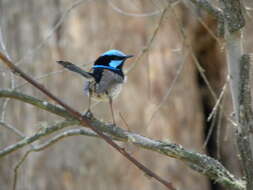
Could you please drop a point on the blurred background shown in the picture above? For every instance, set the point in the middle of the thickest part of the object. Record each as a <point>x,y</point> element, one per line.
<point>177,71</point>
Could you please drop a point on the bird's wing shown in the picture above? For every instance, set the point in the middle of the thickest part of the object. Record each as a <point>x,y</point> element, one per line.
<point>74,68</point>
<point>108,80</point>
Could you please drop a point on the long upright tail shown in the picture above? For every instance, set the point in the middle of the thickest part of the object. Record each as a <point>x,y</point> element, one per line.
<point>74,68</point>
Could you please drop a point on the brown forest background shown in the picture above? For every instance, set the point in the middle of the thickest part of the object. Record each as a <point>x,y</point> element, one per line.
<point>87,30</point>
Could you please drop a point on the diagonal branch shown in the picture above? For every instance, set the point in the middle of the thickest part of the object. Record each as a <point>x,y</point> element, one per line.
<point>13,129</point>
<point>199,162</point>
<point>84,121</point>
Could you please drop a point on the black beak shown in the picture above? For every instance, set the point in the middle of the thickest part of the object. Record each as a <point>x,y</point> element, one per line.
<point>128,56</point>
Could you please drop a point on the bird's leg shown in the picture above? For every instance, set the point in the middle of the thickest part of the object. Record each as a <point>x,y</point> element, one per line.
<point>89,104</point>
<point>88,112</point>
<point>111,107</point>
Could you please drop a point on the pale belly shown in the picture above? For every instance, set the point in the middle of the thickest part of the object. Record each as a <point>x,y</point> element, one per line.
<point>96,95</point>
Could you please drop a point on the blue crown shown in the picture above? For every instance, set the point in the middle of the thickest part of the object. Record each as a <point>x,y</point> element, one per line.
<point>114,52</point>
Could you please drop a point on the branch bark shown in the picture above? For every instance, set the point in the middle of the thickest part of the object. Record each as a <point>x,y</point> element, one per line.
<point>208,7</point>
<point>245,121</point>
<point>199,162</point>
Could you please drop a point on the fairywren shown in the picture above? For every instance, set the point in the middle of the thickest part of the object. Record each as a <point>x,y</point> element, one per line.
<point>105,81</point>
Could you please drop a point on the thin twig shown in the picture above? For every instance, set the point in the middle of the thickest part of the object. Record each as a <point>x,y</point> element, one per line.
<point>4,48</point>
<point>17,167</point>
<point>210,32</point>
<point>218,134</point>
<point>210,130</point>
<point>2,44</point>
<point>202,74</point>
<point>50,142</point>
<point>218,100</point>
<point>118,10</point>
<point>4,108</point>
<point>168,92</point>
<point>124,121</point>
<point>13,129</point>
<point>149,43</point>
<point>41,133</point>
<point>52,30</point>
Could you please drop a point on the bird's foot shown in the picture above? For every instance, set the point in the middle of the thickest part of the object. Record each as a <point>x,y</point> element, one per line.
<point>88,114</point>
<point>113,124</point>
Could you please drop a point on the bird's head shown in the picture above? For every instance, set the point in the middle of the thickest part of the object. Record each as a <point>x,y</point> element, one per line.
<point>112,59</point>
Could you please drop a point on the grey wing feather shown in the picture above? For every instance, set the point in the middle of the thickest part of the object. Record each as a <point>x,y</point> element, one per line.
<point>109,80</point>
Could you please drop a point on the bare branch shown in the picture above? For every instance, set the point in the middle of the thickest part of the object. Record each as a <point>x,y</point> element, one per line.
<point>84,121</point>
<point>215,108</point>
<point>203,75</point>
<point>200,162</point>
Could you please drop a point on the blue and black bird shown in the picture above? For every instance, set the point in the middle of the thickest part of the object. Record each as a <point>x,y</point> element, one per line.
<point>106,77</point>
